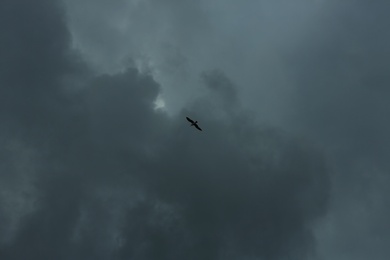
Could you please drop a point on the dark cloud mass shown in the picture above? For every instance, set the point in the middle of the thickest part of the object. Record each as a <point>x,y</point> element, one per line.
<point>342,102</point>
<point>115,179</point>
<point>90,169</point>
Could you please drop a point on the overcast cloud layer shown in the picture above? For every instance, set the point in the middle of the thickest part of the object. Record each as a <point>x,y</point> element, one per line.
<point>292,162</point>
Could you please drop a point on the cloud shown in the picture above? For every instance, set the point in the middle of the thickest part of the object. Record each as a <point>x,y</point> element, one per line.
<point>113,178</point>
<point>341,102</point>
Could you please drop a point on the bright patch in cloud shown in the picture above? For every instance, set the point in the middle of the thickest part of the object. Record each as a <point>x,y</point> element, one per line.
<point>159,103</point>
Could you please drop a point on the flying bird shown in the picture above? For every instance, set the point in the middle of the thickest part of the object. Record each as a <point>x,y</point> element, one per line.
<point>194,123</point>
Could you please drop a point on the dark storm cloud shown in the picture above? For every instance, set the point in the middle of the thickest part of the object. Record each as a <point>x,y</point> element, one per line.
<point>343,79</point>
<point>115,179</point>
<point>333,55</point>
<point>222,87</point>
<point>341,71</point>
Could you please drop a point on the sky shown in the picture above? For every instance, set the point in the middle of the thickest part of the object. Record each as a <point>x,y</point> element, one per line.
<point>97,160</point>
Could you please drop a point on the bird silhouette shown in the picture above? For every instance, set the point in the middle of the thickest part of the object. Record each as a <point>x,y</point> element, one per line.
<point>194,123</point>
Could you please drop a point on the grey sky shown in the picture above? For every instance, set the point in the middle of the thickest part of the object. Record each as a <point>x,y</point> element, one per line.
<point>292,162</point>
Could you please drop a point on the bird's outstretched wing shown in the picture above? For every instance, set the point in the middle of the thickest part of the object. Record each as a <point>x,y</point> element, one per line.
<point>198,127</point>
<point>190,120</point>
